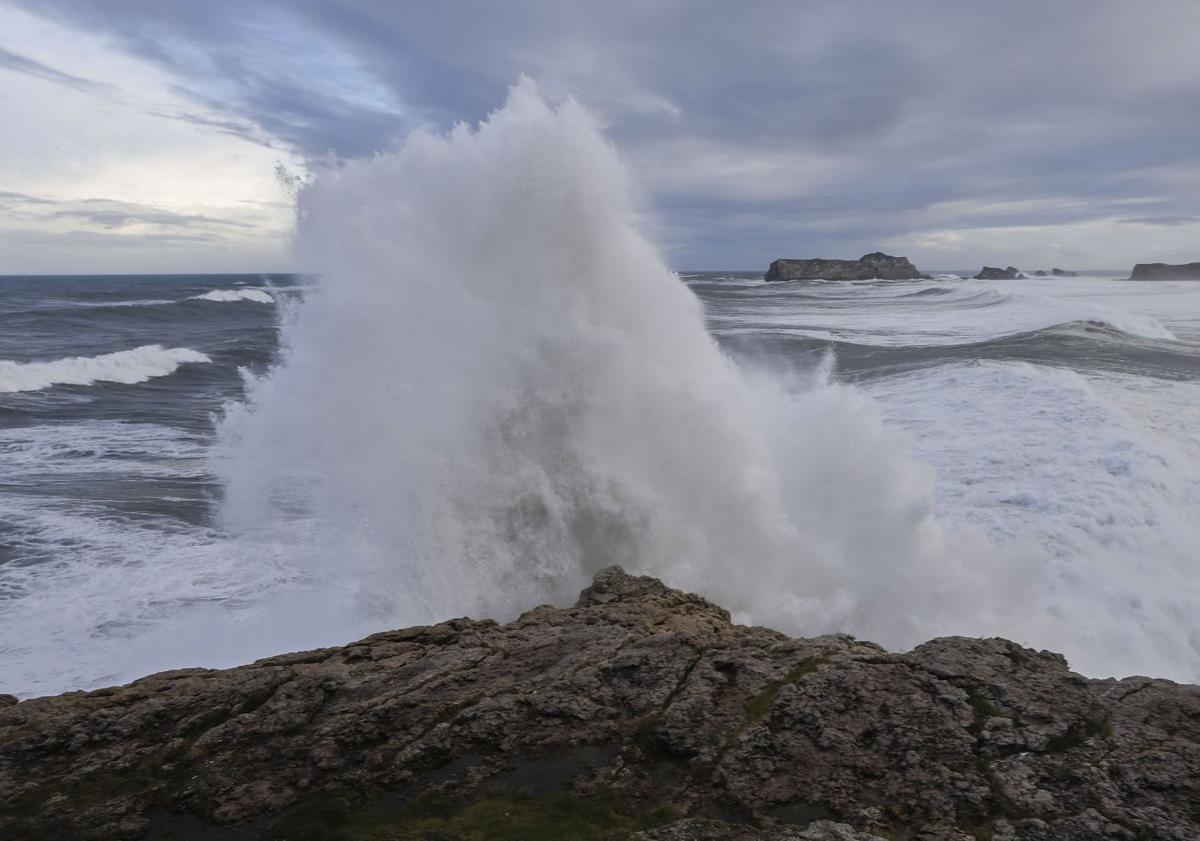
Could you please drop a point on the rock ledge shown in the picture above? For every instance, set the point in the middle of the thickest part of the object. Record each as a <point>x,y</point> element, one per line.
<point>640,713</point>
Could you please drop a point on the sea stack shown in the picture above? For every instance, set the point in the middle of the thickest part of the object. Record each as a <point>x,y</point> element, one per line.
<point>1166,271</point>
<point>874,266</point>
<point>993,273</point>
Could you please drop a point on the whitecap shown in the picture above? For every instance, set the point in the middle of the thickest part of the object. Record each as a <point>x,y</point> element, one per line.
<point>125,366</point>
<point>228,296</point>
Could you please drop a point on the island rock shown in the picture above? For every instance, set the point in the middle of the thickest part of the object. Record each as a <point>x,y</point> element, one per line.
<point>874,266</point>
<point>1063,273</point>
<point>1166,271</point>
<point>993,273</point>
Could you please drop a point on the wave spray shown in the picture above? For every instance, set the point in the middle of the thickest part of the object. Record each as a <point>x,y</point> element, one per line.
<point>499,388</point>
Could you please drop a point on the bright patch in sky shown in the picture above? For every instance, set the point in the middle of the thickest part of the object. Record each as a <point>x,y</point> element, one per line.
<point>103,163</point>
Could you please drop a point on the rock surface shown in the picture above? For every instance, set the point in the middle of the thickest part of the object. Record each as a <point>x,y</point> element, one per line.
<point>874,266</point>
<point>1063,273</point>
<point>1166,271</point>
<point>642,712</point>
<point>993,273</point>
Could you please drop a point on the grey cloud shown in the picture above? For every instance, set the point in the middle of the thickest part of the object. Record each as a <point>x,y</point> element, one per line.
<point>1161,221</point>
<point>104,213</point>
<point>21,64</point>
<point>922,116</point>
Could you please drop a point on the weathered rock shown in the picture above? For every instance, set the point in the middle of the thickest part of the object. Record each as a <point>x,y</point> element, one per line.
<point>641,712</point>
<point>1166,271</point>
<point>701,829</point>
<point>993,273</point>
<point>1040,273</point>
<point>874,266</point>
<point>1063,273</point>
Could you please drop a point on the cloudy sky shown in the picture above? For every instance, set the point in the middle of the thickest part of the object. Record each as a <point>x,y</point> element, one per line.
<point>146,135</point>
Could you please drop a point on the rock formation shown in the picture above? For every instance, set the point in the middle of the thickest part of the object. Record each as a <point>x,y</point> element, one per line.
<point>1166,271</point>
<point>1063,273</point>
<point>993,273</point>
<point>874,266</point>
<point>642,712</point>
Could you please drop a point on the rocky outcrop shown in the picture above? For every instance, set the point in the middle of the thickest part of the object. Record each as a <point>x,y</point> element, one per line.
<point>1166,271</point>
<point>993,273</point>
<point>642,712</point>
<point>1063,273</point>
<point>874,266</point>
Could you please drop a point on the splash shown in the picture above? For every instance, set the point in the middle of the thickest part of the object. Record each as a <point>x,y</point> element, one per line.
<point>500,387</point>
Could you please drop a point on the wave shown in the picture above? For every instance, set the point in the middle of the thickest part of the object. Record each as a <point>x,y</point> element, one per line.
<point>257,296</point>
<point>556,404</point>
<point>126,366</point>
<point>1084,345</point>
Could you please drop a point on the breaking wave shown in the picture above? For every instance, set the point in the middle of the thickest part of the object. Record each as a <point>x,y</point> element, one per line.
<point>125,366</point>
<point>229,296</point>
<point>501,387</point>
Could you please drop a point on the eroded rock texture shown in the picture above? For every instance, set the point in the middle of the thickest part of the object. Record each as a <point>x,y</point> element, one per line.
<point>641,712</point>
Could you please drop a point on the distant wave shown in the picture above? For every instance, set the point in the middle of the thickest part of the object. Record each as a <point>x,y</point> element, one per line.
<point>125,366</point>
<point>1125,330</point>
<point>231,295</point>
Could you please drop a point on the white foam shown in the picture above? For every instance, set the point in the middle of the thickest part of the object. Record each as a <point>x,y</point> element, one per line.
<point>257,296</point>
<point>500,388</point>
<point>1097,477</point>
<point>125,366</point>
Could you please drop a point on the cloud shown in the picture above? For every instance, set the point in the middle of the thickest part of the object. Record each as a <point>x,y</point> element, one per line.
<point>1161,221</point>
<point>757,129</point>
<point>20,64</point>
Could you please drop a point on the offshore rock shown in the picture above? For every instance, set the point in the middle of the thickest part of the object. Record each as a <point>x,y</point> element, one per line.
<point>1063,273</point>
<point>1166,271</point>
<point>874,266</point>
<point>993,273</point>
<point>642,712</point>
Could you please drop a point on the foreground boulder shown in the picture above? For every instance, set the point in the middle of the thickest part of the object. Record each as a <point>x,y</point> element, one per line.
<point>642,712</point>
<point>993,273</point>
<point>1166,271</point>
<point>874,266</point>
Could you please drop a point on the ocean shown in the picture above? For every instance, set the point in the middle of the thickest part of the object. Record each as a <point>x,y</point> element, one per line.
<point>492,385</point>
<point>1062,415</point>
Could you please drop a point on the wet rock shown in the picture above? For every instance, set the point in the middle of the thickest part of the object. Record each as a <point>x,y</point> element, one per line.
<point>641,712</point>
<point>993,273</point>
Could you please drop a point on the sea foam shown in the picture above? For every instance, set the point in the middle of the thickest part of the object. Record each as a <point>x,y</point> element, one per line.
<point>500,387</point>
<point>125,366</point>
